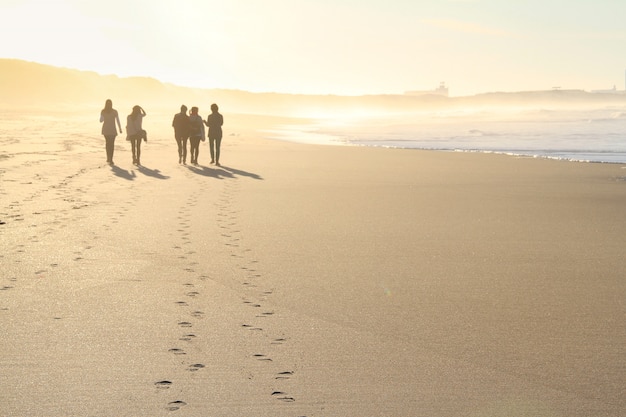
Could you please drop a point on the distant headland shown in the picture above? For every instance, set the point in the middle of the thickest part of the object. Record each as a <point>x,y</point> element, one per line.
<point>31,84</point>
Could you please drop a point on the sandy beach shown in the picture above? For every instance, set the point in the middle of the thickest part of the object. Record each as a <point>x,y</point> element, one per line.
<point>302,280</point>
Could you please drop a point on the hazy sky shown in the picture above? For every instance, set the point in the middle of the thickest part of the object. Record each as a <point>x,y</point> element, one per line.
<point>329,46</point>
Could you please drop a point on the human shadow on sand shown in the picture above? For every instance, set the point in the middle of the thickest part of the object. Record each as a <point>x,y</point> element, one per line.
<point>155,173</point>
<point>222,172</point>
<point>209,172</point>
<point>238,172</point>
<point>123,173</point>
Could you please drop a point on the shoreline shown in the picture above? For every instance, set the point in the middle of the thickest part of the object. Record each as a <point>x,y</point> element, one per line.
<point>323,139</point>
<point>581,136</point>
<point>311,138</point>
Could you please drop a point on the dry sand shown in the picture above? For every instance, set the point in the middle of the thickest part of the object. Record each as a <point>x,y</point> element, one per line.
<point>302,280</point>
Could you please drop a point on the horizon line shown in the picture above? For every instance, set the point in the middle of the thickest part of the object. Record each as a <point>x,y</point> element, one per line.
<point>406,93</point>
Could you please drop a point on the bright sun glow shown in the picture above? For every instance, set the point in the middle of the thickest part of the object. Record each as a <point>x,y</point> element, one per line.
<point>323,47</point>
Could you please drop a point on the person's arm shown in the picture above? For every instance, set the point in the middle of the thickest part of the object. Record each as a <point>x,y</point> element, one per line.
<point>143,112</point>
<point>101,117</point>
<point>117,119</point>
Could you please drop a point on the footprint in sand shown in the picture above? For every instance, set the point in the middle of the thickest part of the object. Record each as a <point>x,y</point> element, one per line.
<point>182,303</point>
<point>195,367</point>
<point>175,405</point>
<point>198,314</point>
<point>184,324</point>
<point>163,384</point>
<point>284,375</point>
<point>177,351</point>
<point>187,337</point>
<point>251,304</point>
<point>261,357</point>
<point>282,396</point>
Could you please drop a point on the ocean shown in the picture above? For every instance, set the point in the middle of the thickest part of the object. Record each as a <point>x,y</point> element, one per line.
<point>588,135</point>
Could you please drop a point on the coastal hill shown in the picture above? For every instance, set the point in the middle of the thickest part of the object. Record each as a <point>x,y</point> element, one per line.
<point>34,85</point>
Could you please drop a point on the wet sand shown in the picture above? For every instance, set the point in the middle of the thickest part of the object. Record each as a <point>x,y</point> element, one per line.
<point>302,280</point>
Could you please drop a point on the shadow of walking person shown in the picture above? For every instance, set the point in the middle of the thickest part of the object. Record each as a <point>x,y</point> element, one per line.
<point>209,172</point>
<point>123,173</point>
<point>241,173</point>
<point>155,173</point>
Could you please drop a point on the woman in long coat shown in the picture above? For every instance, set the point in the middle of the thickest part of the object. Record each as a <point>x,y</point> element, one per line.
<point>108,118</point>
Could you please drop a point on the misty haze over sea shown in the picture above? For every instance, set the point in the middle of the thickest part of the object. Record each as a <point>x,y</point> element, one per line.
<point>591,135</point>
<point>563,124</point>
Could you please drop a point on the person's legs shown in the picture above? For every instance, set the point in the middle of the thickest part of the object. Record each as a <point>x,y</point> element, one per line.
<point>184,150</point>
<point>212,149</point>
<point>193,148</point>
<point>138,154</point>
<point>179,142</point>
<point>218,145</point>
<point>109,146</point>
<point>197,145</point>
<point>133,146</point>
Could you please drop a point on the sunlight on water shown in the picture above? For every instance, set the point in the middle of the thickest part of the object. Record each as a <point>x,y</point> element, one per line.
<point>594,135</point>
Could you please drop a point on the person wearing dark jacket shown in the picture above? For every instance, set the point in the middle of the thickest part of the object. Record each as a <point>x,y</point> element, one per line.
<point>196,134</point>
<point>215,121</point>
<point>181,133</point>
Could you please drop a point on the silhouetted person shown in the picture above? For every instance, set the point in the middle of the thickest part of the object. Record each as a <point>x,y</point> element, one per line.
<point>196,134</point>
<point>108,118</point>
<point>181,133</point>
<point>135,132</point>
<point>215,121</point>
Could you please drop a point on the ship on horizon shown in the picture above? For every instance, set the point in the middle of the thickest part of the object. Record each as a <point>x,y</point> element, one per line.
<point>442,90</point>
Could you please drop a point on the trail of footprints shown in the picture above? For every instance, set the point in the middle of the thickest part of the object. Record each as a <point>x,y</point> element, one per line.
<point>230,236</point>
<point>227,222</point>
<point>189,294</point>
<point>45,223</point>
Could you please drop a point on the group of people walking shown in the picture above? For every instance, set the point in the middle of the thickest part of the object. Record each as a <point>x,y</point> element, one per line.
<point>192,127</point>
<point>186,127</point>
